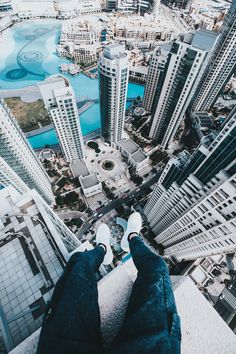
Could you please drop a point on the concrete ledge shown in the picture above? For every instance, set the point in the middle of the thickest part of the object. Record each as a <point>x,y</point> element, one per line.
<point>203,330</point>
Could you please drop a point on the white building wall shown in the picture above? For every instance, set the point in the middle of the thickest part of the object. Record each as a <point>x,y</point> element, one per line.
<point>208,228</point>
<point>113,68</point>
<point>88,192</point>
<point>34,249</point>
<point>60,101</point>
<point>18,154</point>
<point>156,65</point>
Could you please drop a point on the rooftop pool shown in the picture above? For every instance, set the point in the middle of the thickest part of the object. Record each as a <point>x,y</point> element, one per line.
<point>28,55</point>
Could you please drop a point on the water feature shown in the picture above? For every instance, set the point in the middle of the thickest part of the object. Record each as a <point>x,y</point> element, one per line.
<point>28,55</point>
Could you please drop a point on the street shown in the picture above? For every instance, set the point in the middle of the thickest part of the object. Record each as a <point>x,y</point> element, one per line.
<point>115,203</point>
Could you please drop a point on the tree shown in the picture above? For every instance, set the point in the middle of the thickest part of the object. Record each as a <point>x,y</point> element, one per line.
<point>71,197</point>
<point>77,182</point>
<point>158,156</point>
<point>120,210</point>
<point>59,200</point>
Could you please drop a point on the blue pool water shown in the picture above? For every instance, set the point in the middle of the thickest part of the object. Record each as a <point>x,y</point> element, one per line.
<point>28,55</point>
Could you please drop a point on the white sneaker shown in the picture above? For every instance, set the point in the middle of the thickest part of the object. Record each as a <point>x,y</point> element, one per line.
<point>103,235</point>
<point>134,225</point>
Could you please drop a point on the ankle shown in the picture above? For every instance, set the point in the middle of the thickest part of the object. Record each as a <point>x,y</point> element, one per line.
<point>104,247</point>
<point>131,235</point>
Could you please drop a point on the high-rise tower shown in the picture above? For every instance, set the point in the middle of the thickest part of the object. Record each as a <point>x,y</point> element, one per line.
<point>113,69</point>
<point>155,77</point>
<point>220,67</point>
<point>60,101</point>
<point>35,247</point>
<point>194,215</point>
<point>20,157</point>
<point>8,177</point>
<point>171,79</point>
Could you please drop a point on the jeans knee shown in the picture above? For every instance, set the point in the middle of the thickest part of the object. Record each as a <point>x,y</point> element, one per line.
<point>74,257</point>
<point>80,257</point>
<point>157,264</point>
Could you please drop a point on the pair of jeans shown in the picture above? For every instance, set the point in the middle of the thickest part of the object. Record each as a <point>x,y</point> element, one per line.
<point>151,323</point>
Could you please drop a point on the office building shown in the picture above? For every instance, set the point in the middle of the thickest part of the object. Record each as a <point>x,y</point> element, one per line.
<point>35,246</point>
<point>5,6</point>
<point>88,6</point>
<point>208,226</point>
<point>60,101</point>
<point>128,6</point>
<point>192,213</point>
<point>113,70</point>
<point>220,66</point>
<point>20,157</point>
<point>171,81</point>
<point>180,4</point>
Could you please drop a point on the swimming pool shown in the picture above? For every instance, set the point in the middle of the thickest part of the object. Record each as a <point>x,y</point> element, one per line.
<point>28,55</point>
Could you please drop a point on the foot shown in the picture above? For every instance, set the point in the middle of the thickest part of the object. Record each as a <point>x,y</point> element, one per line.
<point>103,237</point>
<point>134,225</point>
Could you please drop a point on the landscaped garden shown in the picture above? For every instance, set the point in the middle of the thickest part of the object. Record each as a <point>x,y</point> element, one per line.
<point>93,145</point>
<point>108,165</point>
<point>29,114</point>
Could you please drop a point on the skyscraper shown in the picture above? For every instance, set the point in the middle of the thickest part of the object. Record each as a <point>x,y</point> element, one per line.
<point>171,79</point>
<point>194,216</point>
<point>113,70</point>
<point>209,225</point>
<point>35,246</point>
<point>60,101</point>
<point>155,77</point>
<point>20,157</point>
<point>8,177</point>
<point>220,67</point>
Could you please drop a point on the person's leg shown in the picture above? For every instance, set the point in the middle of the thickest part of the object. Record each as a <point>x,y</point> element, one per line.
<point>72,320</point>
<point>151,324</point>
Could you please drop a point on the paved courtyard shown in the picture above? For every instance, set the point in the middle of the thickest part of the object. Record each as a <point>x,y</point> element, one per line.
<point>115,177</point>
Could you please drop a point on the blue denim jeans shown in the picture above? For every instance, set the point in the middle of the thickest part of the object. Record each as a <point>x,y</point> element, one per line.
<point>72,320</point>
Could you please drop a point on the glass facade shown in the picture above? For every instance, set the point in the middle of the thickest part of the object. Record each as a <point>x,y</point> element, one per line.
<point>105,93</point>
<point>219,159</point>
<point>176,91</point>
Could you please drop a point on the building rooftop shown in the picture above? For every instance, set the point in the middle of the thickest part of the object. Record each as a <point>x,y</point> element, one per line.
<point>30,264</point>
<point>129,145</point>
<point>139,69</point>
<point>51,84</point>
<point>205,119</point>
<point>139,156</point>
<point>114,50</point>
<point>204,39</point>
<point>203,330</point>
<point>79,168</point>
<point>89,181</point>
